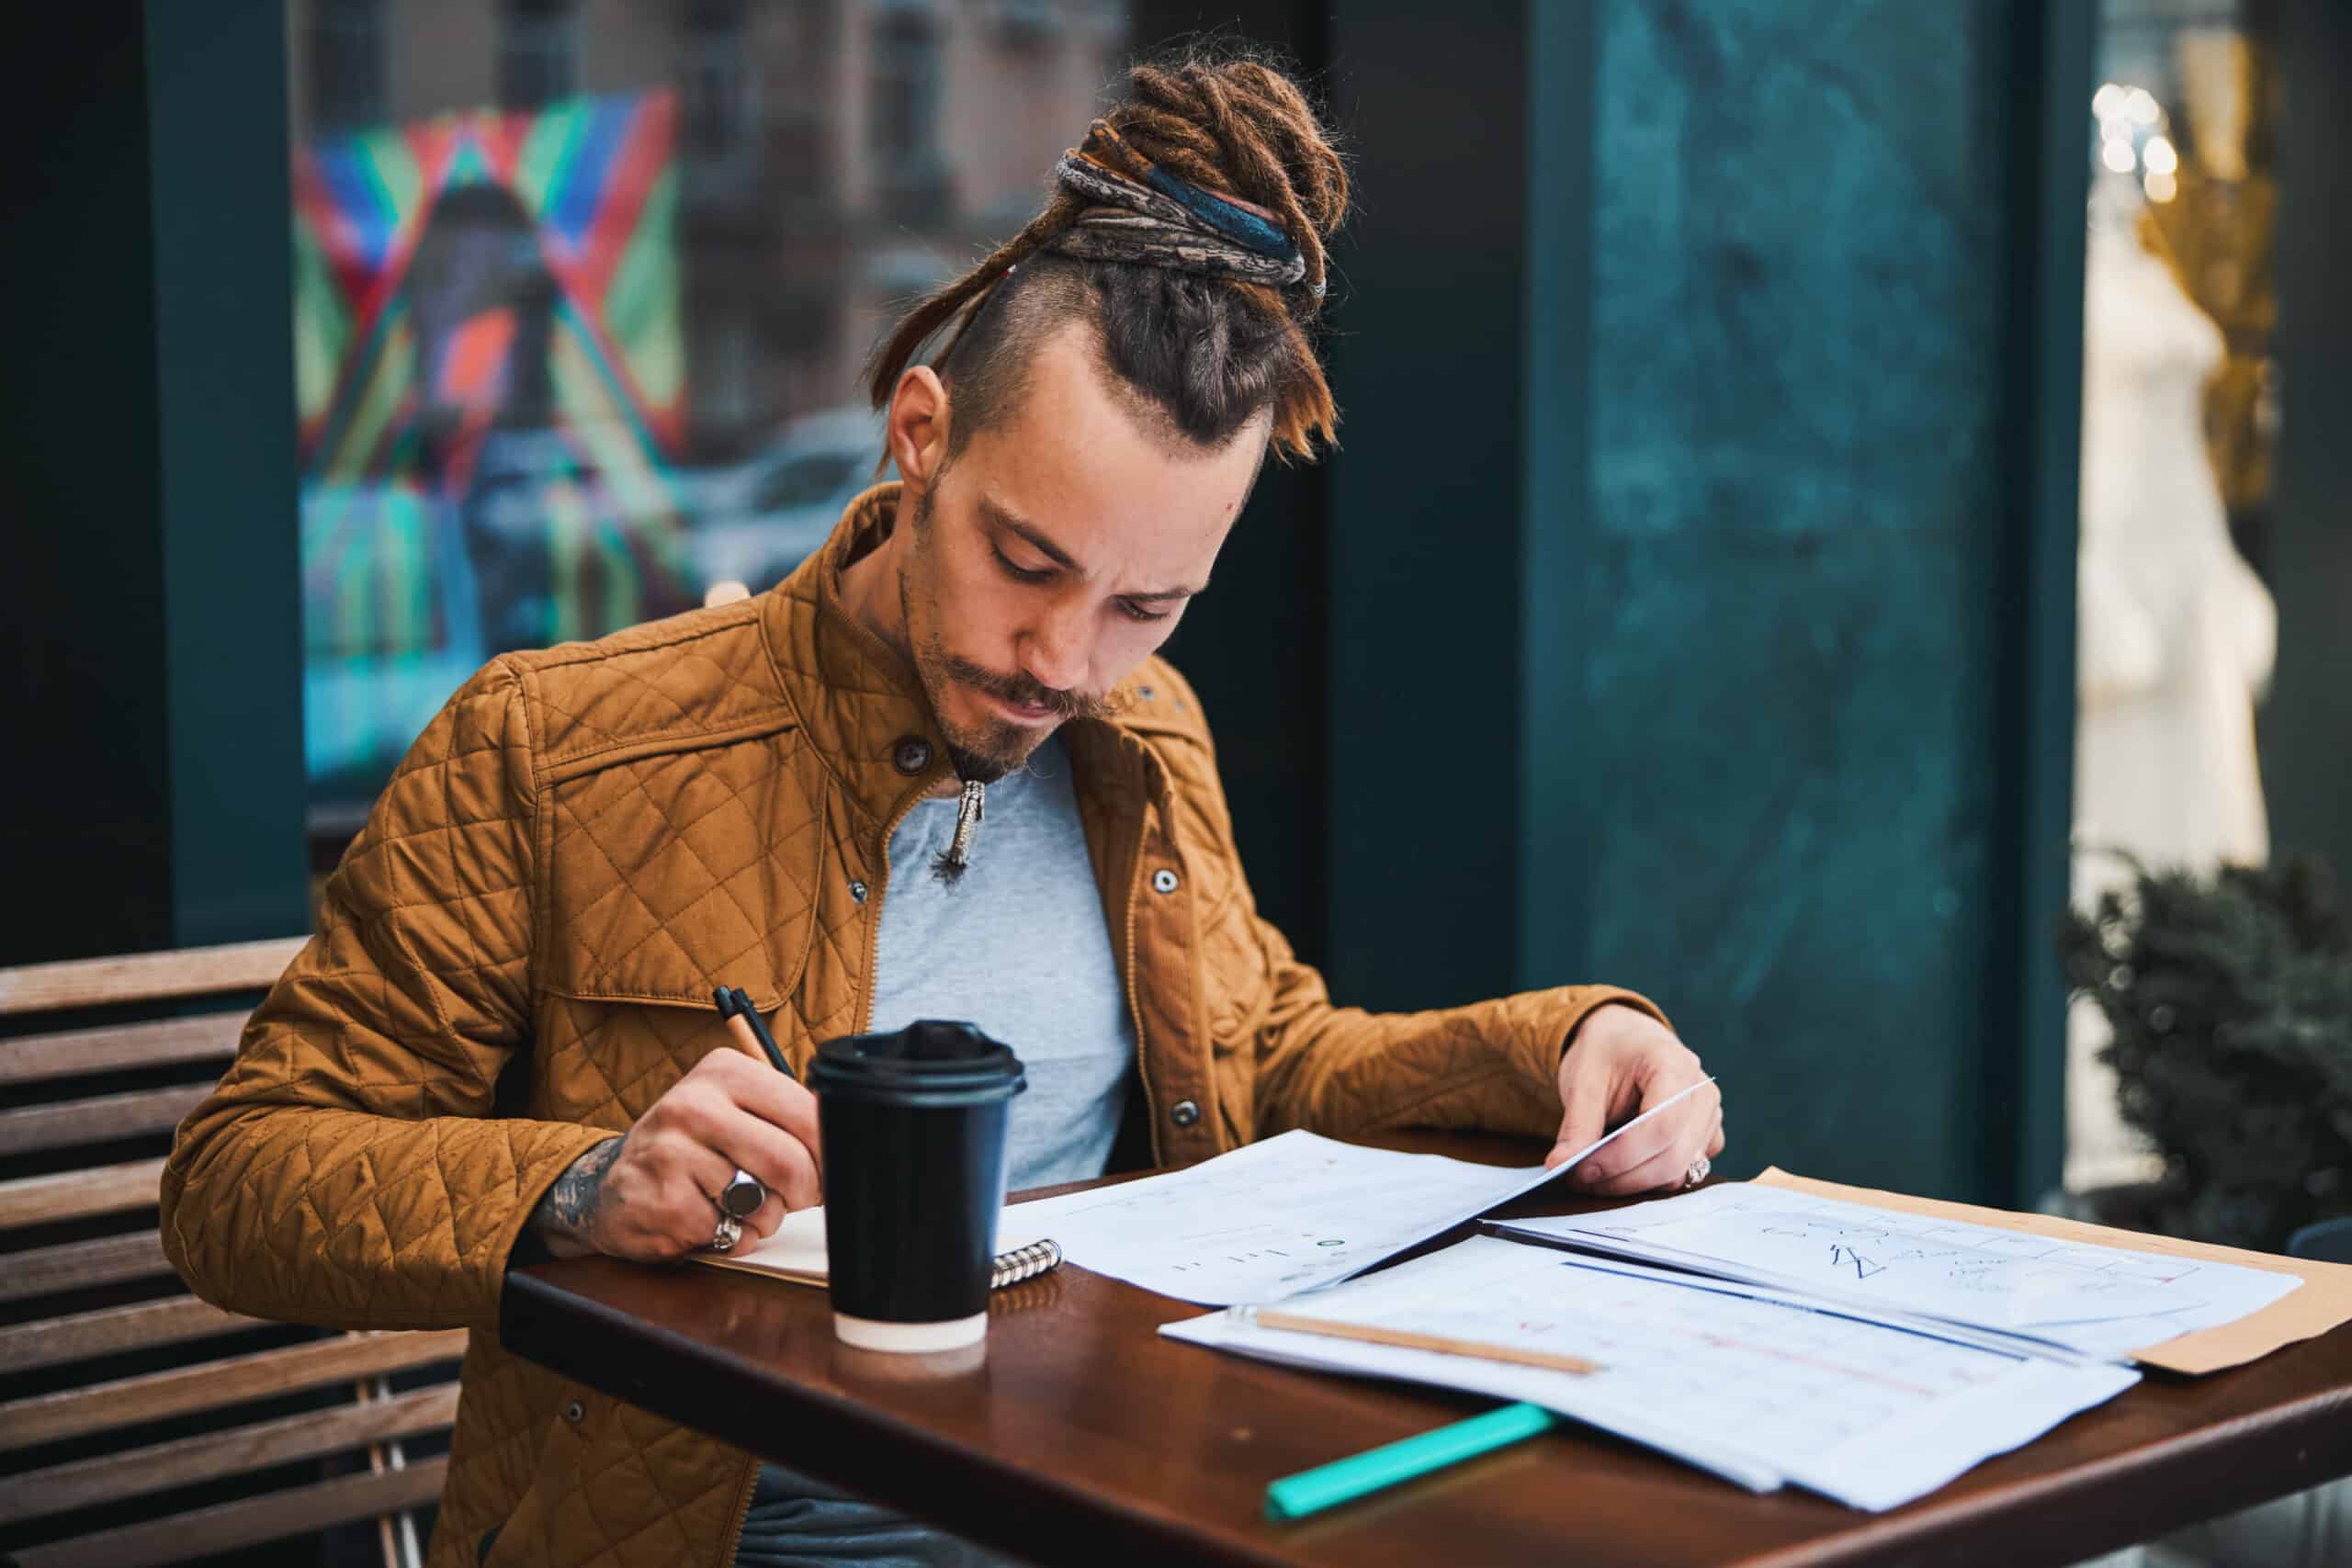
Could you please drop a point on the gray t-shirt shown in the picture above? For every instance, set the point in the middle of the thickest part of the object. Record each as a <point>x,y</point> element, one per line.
<point>1020,947</point>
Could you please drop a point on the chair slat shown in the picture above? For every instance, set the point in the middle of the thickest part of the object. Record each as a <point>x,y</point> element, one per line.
<point>211,1455</point>
<point>147,976</point>
<point>48,1341</point>
<point>230,1526</point>
<point>233,1379</point>
<point>81,1194</point>
<point>99,1119</point>
<point>27,1058</point>
<point>218,1385</point>
<point>78,1265</point>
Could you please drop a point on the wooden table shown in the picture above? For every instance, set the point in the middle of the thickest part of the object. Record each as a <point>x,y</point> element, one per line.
<point>1085,1437</point>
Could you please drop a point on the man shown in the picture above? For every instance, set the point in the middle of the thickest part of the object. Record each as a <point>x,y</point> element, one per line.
<point>937,772</point>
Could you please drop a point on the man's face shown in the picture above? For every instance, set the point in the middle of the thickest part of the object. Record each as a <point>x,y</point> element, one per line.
<point>1055,553</point>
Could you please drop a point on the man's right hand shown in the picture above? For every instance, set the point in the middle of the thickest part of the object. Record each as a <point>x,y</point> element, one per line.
<point>650,1193</point>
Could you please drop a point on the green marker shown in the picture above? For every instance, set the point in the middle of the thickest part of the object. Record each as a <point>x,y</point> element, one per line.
<point>1344,1480</point>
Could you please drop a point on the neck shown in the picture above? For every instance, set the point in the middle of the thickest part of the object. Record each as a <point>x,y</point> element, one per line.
<point>870,596</point>
<point>869,591</point>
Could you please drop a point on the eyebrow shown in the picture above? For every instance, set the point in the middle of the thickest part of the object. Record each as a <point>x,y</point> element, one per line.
<point>1036,539</point>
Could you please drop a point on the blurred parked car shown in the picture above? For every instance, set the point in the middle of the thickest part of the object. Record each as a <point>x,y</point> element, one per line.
<point>755,520</point>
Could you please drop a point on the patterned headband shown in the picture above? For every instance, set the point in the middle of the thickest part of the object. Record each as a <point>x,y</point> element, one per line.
<point>1139,212</point>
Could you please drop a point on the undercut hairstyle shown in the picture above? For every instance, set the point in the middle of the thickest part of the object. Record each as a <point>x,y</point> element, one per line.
<point>1205,353</point>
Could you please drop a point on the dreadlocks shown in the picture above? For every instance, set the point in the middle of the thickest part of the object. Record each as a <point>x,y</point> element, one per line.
<point>1190,230</point>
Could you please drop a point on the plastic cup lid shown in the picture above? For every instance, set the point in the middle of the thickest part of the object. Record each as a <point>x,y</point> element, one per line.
<point>931,1061</point>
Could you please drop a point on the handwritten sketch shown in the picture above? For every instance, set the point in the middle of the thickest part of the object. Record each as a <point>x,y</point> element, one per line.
<point>2094,1300</point>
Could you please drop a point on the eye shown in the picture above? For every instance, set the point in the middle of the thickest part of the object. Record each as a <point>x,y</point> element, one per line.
<point>1021,574</point>
<point>1136,611</point>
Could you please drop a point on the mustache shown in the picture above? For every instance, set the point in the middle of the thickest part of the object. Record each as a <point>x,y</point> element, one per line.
<point>1028,691</point>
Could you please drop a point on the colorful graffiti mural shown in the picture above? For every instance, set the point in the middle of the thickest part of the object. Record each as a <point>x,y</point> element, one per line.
<point>490,379</point>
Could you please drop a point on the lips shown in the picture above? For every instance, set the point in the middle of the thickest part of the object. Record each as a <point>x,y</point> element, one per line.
<point>1020,712</point>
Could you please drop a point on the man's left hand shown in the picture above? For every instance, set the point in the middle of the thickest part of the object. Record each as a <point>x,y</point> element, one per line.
<point>1620,1062</point>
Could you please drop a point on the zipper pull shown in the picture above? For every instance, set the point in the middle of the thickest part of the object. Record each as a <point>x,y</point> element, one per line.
<point>971,806</point>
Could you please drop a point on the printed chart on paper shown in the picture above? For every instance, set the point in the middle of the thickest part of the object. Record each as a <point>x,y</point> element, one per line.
<point>1755,1387</point>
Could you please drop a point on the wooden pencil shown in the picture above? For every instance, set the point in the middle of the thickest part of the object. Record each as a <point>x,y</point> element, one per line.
<point>1299,1323</point>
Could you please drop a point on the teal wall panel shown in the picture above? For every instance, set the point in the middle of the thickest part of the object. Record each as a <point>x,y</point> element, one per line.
<point>1796,400</point>
<point>1700,552</point>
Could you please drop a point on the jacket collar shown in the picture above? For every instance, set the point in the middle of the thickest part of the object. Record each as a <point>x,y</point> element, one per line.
<point>858,701</point>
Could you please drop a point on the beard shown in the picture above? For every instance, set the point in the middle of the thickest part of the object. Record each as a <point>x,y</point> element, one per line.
<point>984,752</point>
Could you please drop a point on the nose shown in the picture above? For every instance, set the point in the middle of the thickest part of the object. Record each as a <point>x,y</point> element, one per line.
<point>1055,652</point>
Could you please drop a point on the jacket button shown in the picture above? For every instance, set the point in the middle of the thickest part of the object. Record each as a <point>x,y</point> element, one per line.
<point>857,891</point>
<point>912,755</point>
<point>574,1411</point>
<point>1183,1113</point>
<point>1163,881</point>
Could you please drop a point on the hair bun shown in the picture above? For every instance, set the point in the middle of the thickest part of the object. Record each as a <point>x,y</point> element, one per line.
<point>1241,128</point>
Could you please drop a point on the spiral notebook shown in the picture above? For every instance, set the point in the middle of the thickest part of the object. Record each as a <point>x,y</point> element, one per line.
<point>796,1252</point>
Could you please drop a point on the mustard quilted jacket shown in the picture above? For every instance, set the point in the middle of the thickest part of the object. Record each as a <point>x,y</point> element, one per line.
<point>517,959</point>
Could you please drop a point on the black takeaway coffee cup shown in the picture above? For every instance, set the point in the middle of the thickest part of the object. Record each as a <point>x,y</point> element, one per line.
<point>913,1128</point>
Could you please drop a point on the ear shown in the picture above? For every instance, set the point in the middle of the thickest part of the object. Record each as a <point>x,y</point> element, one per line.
<point>918,425</point>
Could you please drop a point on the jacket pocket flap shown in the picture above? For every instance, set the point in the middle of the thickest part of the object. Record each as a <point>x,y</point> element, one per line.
<point>664,905</point>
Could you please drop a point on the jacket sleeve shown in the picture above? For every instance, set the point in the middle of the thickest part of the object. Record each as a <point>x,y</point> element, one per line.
<point>347,1171</point>
<point>1493,1066</point>
<point>1342,1071</point>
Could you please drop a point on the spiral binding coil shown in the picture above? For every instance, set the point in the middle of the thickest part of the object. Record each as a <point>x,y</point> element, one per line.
<point>1025,1262</point>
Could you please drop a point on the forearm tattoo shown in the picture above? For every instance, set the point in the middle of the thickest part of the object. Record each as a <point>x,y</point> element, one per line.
<point>569,1207</point>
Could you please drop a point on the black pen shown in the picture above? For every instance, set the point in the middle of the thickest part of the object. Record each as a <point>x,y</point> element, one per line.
<point>735,1007</point>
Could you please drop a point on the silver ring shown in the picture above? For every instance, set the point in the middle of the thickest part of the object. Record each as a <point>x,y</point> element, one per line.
<point>742,1195</point>
<point>730,1231</point>
<point>1697,1173</point>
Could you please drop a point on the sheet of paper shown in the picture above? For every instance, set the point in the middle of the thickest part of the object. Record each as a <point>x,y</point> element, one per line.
<point>2323,1302</point>
<point>1290,1213</point>
<point>1530,1179</point>
<point>1756,1390</point>
<point>2097,1301</point>
<point>1997,1340</point>
<point>1266,1221</point>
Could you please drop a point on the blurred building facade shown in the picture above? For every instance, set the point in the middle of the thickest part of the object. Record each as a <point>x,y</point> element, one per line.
<point>834,156</point>
<point>582,293</point>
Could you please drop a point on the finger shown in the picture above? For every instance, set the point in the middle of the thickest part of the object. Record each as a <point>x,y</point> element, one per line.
<point>769,1095</point>
<point>782,1162</point>
<point>1664,1169</point>
<point>765,1220</point>
<point>1584,1106</point>
<point>1715,1143</point>
<point>1680,1126</point>
<point>1637,1147</point>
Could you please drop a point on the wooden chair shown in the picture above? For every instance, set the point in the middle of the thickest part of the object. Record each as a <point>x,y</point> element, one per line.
<point>81,1441</point>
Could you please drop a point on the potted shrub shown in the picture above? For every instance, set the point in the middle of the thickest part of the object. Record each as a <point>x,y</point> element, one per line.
<point>2230,996</point>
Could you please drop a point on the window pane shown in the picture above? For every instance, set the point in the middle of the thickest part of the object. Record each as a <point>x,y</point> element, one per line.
<point>582,291</point>
<point>2176,627</point>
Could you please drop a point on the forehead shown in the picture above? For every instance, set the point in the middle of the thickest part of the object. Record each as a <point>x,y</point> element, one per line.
<point>1089,463</point>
